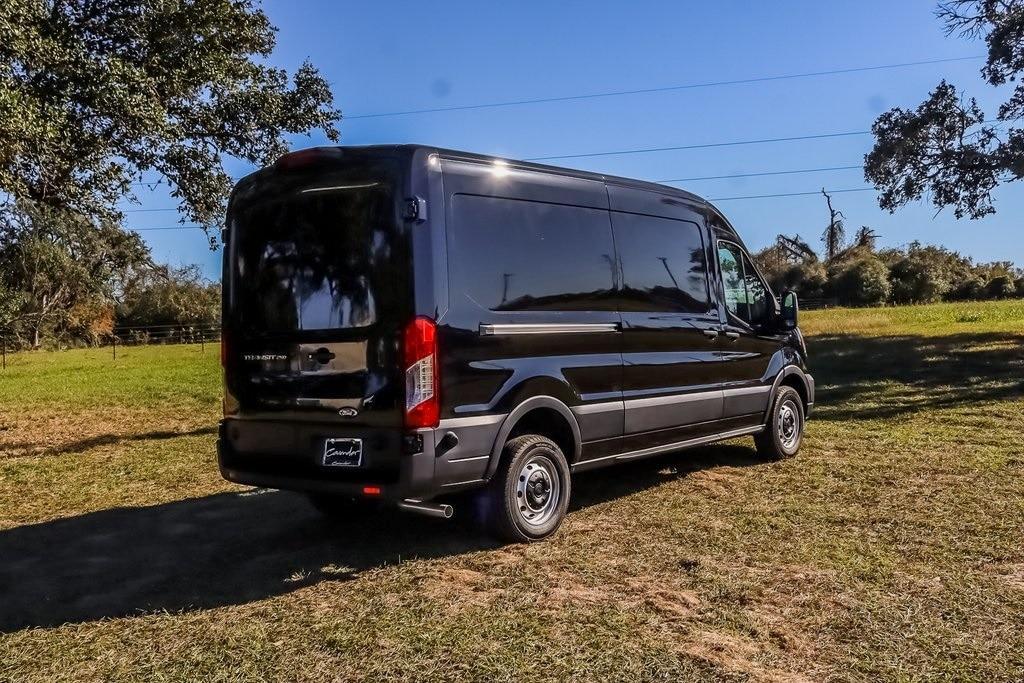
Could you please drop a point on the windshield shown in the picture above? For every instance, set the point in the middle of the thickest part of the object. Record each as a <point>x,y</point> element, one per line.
<point>313,255</point>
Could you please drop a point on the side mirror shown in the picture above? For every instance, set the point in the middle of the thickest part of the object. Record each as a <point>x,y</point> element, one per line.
<point>790,310</point>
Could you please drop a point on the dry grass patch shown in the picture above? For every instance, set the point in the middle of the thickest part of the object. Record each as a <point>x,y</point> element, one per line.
<point>889,550</point>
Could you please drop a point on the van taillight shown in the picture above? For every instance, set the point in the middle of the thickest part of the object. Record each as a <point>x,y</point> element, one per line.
<point>224,348</point>
<point>422,374</point>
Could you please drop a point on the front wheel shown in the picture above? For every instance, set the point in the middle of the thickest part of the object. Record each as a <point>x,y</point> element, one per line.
<point>529,495</point>
<point>784,430</point>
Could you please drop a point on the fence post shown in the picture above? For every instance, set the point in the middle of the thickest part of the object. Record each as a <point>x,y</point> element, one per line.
<point>113,344</point>
<point>4,343</point>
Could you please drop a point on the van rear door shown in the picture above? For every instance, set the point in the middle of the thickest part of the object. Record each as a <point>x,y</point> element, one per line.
<point>317,289</point>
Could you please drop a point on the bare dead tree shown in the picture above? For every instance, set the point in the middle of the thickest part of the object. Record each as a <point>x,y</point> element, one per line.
<point>865,237</point>
<point>796,249</point>
<point>835,233</point>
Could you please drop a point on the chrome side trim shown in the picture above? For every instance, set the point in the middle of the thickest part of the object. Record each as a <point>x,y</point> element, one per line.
<point>473,421</point>
<point>472,457</point>
<point>463,483</point>
<point>489,330</point>
<point>744,391</point>
<point>595,408</point>
<point>673,398</point>
<point>654,450</point>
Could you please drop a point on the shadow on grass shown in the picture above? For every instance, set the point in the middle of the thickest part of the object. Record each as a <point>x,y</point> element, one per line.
<point>232,548</point>
<point>877,377</point>
<point>80,446</point>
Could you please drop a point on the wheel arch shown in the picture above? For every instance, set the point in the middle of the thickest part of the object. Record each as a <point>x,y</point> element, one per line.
<point>791,376</point>
<point>546,410</point>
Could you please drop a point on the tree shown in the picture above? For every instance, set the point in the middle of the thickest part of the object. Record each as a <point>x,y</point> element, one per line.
<point>860,281</point>
<point>865,237</point>
<point>945,148</point>
<point>925,274</point>
<point>1001,287</point>
<point>170,296</point>
<point>95,94</point>
<point>835,233</point>
<point>808,279</point>
<point>60,268</point>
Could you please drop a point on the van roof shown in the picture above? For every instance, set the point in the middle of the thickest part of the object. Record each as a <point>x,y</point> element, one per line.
<point>412,148</point>
<point>724,226</point>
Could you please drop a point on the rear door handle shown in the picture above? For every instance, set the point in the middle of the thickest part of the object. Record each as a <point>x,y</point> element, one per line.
<point>733,335</point>
<point>711,334</point>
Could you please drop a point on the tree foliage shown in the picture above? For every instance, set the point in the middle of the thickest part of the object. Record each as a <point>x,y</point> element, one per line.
<point>945,148</point>
<point>95,94</point>
<point>169,296</point>
<point>860,281</point>
<point>60,270</point>
<point>915,274</point>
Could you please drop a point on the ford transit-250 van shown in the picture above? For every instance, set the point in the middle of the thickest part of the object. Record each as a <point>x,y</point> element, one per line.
<point>404,323</point>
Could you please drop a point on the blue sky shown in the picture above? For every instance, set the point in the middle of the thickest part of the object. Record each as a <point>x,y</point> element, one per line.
<point>395,56</point>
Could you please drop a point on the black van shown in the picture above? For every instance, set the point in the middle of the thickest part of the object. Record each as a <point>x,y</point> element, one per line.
<point>405,323</point>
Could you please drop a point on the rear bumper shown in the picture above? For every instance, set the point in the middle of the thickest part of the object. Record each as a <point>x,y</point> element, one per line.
<point>284,455</point>
<point>394,475</point>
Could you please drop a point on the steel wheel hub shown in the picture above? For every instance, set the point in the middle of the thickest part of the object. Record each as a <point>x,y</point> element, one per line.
<point>538,490</point>
<point>788,425</point>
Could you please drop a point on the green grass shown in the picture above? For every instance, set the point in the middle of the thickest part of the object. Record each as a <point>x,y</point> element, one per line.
<point>890,549</point>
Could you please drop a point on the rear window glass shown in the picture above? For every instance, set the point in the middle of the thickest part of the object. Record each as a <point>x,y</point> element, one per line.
<point>664,264</point>
<point>515,255</point>
<point>314,257</point>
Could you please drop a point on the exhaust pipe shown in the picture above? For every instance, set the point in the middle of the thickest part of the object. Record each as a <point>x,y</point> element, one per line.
<point>439,510</point>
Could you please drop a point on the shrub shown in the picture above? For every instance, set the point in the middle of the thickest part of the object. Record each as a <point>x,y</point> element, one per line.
<point>861,282</point>
<point>970,289</point>
<point>1001,287</point>
<point>807,279</point>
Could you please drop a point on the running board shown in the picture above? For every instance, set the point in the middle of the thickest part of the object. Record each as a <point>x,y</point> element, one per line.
<point>655,450</point>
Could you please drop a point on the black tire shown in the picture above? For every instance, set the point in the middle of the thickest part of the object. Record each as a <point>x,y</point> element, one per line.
<point>784,430</point>
<point>339,507</point>
<point>527,498</point>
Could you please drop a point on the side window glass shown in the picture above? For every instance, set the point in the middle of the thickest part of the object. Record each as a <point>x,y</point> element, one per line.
<point>757,294</point>
<point>746,296</point>
<point>663,264</point>
<point>514,255</point>
<point>731,264</point>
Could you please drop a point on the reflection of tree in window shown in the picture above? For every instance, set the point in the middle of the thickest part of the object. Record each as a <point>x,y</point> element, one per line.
<point>316,260</point>
<point>745,294</point>
<point>732,279</point>
<point>663,264</point>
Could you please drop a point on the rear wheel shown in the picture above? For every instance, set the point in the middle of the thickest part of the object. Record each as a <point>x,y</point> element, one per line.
<point>784,430</point>
<point>529,495</point>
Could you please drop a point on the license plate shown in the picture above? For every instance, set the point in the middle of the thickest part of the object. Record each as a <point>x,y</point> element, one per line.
<point>343,452</point>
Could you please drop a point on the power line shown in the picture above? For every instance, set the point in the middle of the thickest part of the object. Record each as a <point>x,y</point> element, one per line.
<point>169,227</point>
<point>762,173</point>
<point>790,194</point>
<point>730,143</point>
<point>712,199</point>
<point>669,88</point>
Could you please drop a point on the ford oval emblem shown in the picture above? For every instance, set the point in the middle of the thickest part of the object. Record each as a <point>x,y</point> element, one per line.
<point>348,412</point>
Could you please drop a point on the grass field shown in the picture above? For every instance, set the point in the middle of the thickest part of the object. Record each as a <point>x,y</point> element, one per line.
<point>891,549</point>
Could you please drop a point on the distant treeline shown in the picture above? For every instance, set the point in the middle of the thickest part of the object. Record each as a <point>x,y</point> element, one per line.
<point>67,281</point>
<point>861,275</point>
